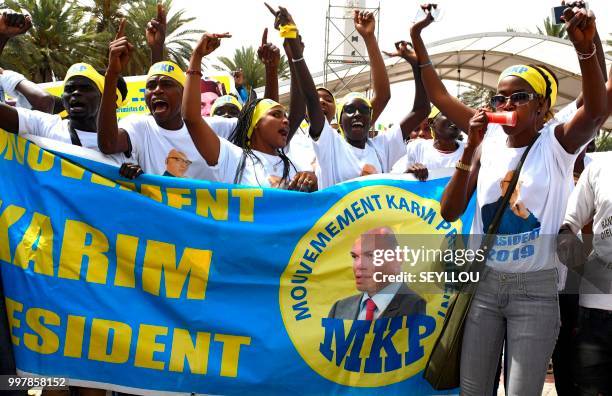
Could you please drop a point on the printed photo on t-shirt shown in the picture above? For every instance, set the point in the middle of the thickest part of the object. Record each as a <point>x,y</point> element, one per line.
<point>177,164</point>
<point>517,218</point>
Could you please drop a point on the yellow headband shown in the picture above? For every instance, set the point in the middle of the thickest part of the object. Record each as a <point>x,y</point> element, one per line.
<point>553,87</point>
<point>167,68</point>
<point>261,109</point>
<point>222,101</point>
<point>529,74</point>
<point>349,97</point>
<point>87,71</point>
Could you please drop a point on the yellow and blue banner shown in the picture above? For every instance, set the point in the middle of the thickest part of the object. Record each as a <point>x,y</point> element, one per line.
<point>164,285</point>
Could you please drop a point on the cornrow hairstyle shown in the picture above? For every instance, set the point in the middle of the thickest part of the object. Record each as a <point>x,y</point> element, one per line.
<point>240,138</point>
<point>539,68</point>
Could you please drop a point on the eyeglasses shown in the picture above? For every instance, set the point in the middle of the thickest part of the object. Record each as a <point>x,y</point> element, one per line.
<point>184,161</point>
<point>353,109</point>
<point>516,99</point>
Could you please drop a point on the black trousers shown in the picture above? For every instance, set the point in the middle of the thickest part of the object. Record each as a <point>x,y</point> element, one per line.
<point>593,358</point>
<point>563,355</point>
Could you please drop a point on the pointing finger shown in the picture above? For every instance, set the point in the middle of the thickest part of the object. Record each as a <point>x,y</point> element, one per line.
<point>264,38</point>
<point>121,31</point>
<point>272,10</point>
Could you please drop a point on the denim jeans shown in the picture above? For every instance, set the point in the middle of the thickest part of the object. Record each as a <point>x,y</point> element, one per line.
<point>525,308</point>
<point>593,359</point>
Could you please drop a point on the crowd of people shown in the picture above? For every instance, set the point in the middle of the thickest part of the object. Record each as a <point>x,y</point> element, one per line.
<point>259,142</point>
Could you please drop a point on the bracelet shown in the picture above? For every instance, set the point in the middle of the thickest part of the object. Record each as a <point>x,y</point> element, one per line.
<point>425,65</point>
<point>288,31</point>
<point>194,72</point>
<point>586,56</point>
<point>464,167</point>
<point>297,60</point>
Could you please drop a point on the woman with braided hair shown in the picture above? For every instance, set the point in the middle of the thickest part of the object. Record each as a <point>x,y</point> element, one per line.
<point>254,154</point>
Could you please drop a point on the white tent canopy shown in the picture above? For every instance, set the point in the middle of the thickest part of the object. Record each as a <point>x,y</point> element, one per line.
<point>475,59</point>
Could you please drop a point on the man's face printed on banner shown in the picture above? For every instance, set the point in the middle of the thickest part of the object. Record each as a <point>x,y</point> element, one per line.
<point>363,259</point>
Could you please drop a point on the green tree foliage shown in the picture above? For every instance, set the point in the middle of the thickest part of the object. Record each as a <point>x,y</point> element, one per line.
<point>55,41</point>
<point>254,71</point>
<point>550,29</point>
<point>604,140</point>
<point>477,97</point>
<point>67,32</point>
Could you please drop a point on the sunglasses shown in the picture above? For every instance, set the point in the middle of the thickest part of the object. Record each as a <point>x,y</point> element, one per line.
<point>186,162</point>
<point>353,109</point>
<point>516,99</point>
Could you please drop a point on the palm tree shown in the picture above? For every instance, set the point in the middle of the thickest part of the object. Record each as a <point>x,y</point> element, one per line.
<point>55,41</point>
<point>476,97</point>
<point>104,14</point>
<point>253,69</point>
<point>179,42</point>
<point>604,140</point>
<point>553,30</point>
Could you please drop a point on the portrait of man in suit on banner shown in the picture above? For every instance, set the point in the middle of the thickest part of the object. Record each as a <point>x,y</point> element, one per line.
<point>377,297</point>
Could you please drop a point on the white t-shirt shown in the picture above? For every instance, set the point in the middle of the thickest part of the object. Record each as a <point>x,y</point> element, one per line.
<point>592,199</point>
<point>161,151</point>
<point>8,85</point>
<point>565,114</point>
<point>301,150</point>
<point>422,151</point>
<point>263,170</point>
<point>340,161</point>
<point>526,236</point>
<point>53,127</point>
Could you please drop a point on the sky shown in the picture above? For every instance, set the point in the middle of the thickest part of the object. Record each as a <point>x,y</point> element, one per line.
<point>246,19</point>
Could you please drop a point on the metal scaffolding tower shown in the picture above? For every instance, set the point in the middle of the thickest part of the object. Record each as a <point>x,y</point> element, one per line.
<point>345,52</point>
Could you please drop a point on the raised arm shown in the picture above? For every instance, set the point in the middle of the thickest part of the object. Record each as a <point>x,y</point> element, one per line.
<point>365,24</point>
<point>297,107</point>
<point>421,106</point>
<point>450,106</point>
<point>12,24</point>
<point>582,128</point>
<point>156,35</point>
<point>40,99</point>
<point>112,140</point>
<point>204,138</point>
<point>304,78</point>
<point>269,55</point>
<point>462,184</point>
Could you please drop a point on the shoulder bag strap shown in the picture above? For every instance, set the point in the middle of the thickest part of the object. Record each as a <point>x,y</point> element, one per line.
<point>489,238</point>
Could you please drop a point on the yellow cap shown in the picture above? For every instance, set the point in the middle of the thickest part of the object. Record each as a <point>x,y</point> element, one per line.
<point>223,100</point>
<point>261,109</point>
<point>87,71</point>
<point>167,68</point>
<point>349,97</point>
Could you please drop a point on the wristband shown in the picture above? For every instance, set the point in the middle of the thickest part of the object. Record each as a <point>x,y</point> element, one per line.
<point>586,56</point>
<point>464,167</point>
<point>297,60</point>
<point>194,72</point>
<point>425,65</point>
<point>289,31</point>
